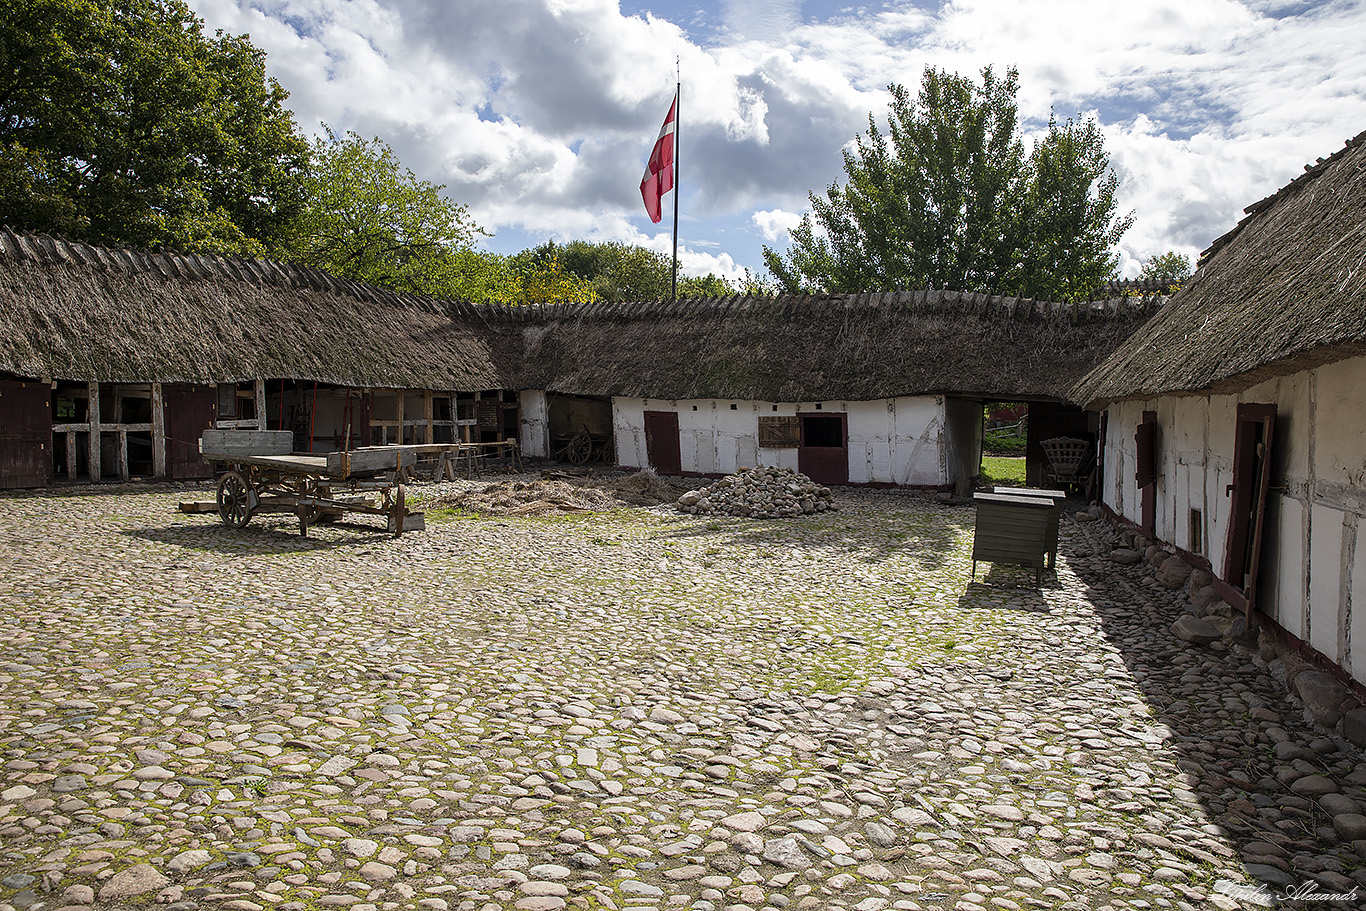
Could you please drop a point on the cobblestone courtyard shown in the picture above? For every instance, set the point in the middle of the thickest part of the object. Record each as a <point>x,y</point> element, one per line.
<point>630,710</point>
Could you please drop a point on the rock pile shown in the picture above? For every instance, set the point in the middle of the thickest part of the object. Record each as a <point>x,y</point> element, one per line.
<point>759,493</point>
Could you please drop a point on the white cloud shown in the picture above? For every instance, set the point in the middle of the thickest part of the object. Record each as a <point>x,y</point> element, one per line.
<point>775,224</point>
<point>539,113</point>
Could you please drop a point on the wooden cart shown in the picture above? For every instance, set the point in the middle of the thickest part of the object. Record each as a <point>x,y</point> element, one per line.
<point>583,447</point>
<point>257,473</point>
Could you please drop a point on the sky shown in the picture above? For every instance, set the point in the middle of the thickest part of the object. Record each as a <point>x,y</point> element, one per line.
<point>539,115</point>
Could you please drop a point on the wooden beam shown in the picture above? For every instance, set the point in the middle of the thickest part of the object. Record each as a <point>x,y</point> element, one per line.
<point>93,413</point>
<point>121,454</point>
<point>427,415</point>
<point>71,455</point>
<point>398,416</point>
<point>259,391</point>
<point>158,432</point>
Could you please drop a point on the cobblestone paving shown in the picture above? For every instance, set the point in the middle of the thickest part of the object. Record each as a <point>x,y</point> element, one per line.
<point>630,710</point>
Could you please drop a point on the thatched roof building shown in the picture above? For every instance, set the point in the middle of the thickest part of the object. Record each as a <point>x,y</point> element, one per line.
<point>821,348</point>
<point>1284,291</point>
<point>75,312</point>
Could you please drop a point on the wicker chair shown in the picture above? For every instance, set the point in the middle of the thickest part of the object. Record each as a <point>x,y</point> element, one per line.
<point>1068,461</point>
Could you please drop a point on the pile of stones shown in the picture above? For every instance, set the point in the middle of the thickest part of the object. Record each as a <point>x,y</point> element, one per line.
<point>759,493</point>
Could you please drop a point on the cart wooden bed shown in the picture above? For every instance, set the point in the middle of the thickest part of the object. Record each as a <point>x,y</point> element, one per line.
<point>257,473</point>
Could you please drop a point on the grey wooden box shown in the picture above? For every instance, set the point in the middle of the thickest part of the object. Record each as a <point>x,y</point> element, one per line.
<point>1013,529</point>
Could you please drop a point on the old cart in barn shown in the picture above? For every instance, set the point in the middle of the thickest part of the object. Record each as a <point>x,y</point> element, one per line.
<point>258,473</point>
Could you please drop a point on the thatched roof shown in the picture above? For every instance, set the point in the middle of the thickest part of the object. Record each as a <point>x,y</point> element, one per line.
<point>814,348</point>
<point>71,311</point>
<point>1283,291</point>
<point>76,312</point>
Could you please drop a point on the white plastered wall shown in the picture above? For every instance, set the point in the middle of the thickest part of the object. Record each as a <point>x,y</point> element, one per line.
<point>891,441</point>
<point>1316,584</point>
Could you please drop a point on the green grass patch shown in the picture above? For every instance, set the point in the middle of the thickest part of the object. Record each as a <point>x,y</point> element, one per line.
<point>1003,471</point>
<point>1003,443</point>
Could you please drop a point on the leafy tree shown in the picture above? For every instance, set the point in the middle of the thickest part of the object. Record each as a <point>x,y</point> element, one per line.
<point>122,123</point>
<point>368,217</point>
<point>622,272</point>
<point>948,198</point>
<point>1170,268</point>
<point>617,271</point>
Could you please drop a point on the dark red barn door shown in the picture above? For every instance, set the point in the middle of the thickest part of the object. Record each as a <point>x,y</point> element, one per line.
<point>661,442</point>
<point>823,450</point>
<point>190,410</point>
<point>25,433</point>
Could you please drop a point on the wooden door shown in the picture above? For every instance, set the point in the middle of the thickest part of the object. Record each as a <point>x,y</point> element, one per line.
<point>823,447</point>
<point>25,433</point>
<point>662,448</point>
<point>1251,475</point>
<point>190,410</point>
<point>1145,447</point>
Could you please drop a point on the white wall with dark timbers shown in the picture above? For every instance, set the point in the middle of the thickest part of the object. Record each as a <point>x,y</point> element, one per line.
<point>898,440</point>
<point>1314,561</point>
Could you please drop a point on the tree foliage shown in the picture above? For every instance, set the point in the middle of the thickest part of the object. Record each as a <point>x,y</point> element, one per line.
<point>369,218</point>
<point>122,123</point>
<point>622,272</point>
<point>948,198</point>
<point>1171,268</point>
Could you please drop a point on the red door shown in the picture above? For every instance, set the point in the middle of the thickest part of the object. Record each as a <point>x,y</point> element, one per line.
<point>25,433</point>
<point>823,449</point>
<point>662,449</point>
<point>190,410</point>
<point>1251,474</point>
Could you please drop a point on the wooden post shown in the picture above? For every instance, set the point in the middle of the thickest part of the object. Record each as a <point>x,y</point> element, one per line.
<point>259,391</point>
<point>122,454</point>
<point>427,415</point>
<point>93,413</point>
<point>398,409</point>
<point>158,432</point>
<point>71,455</point>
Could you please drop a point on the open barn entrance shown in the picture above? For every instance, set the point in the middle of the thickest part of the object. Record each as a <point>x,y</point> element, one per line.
<point>1039,443</point>
<point>581,429</point>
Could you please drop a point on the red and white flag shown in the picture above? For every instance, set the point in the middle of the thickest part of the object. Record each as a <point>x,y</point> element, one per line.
<point>659,171</point>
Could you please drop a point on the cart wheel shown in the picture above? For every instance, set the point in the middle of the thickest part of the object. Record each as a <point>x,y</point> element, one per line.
<point>234,499</point>
<point>400,512</point>
<point>580,448</point>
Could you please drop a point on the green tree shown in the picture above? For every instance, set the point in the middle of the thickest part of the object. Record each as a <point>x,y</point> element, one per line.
<point>369,218</point>
<point>122,123</point>
<point>1170,268</point>
<point>622,272</point>
<point>948,198</point>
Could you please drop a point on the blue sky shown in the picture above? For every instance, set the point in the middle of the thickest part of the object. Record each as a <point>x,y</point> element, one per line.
<point>539,114</point>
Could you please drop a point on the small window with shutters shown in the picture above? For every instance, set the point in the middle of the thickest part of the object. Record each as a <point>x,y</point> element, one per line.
<point>779,432</point>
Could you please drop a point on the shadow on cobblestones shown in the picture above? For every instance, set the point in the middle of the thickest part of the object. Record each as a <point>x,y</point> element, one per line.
<point>1247,753</point>
<point>987,595</point>
<point>278,538</point>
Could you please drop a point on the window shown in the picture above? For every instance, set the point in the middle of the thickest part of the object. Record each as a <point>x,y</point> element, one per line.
<point>778,432</point>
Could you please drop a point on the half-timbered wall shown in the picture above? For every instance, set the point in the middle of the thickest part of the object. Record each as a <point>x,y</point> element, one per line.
<point>891,441</point>
<point>1313,580</point>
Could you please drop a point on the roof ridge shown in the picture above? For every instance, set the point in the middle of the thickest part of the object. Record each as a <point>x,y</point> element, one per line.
<point>1311,173</point>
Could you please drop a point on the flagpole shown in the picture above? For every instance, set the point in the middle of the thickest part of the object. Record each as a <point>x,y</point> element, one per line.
<point>678,115</point>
